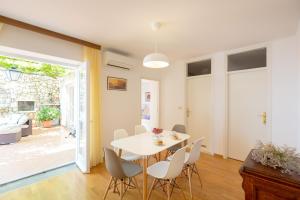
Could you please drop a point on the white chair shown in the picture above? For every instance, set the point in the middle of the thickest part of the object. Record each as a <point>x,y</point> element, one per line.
<point>122,133</point>
<point>139,129</point>
<point>120,171</point>
<point>167,172</point>
<point>190,162</point>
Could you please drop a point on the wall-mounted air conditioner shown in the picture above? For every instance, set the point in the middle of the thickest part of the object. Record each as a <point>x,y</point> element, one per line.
<point>118,61</point>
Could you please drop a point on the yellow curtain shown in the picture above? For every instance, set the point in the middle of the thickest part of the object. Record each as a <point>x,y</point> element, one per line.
<point>93,58</point>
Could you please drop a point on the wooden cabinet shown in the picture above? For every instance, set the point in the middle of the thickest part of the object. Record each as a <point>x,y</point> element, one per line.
<point>265,183</point>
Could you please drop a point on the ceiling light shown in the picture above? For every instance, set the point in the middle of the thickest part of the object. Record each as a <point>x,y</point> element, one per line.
<point>156,60</point>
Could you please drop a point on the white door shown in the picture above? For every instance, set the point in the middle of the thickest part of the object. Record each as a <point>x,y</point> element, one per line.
<point>150,104</point>
<point>247,101</point>
<point>199,109</point>
<point>82,118</point>
<point>70,106</point>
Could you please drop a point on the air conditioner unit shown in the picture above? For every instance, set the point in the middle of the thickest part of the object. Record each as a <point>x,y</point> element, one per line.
<point>118,61</point>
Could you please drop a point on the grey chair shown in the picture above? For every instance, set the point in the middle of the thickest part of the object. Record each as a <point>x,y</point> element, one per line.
<point>180,129</point>
<point>121,171</point>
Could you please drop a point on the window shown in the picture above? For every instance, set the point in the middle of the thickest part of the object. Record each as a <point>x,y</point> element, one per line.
<point>25,105</point>
<point>248,60</point>
<point>199,68</point>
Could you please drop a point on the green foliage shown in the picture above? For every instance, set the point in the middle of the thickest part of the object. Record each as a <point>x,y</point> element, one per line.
<point>47,113</point>
<point>30,67</point>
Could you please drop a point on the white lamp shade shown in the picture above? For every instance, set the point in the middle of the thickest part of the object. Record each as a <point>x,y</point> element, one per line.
<point>156,60</point>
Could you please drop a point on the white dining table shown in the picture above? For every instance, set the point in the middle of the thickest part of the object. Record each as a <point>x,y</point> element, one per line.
<point>144,145</point>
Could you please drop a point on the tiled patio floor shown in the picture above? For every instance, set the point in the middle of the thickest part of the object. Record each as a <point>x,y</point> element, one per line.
<point>45,149</point>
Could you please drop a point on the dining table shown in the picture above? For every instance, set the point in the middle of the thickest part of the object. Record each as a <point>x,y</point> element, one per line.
<point>145,145</point>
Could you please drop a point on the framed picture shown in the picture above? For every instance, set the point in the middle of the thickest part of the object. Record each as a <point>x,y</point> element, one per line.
<point>114,83</point>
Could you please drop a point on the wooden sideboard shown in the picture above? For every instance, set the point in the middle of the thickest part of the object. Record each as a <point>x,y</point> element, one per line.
<point>265,183</point>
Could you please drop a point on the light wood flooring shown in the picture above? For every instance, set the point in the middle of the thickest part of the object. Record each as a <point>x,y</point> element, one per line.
<point>220,177</point>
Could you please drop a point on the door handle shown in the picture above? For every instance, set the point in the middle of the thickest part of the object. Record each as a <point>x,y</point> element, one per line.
<point>264,118</point>
<point>187,112</point>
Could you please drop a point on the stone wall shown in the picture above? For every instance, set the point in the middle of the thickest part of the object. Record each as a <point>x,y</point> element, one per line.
<point>41,89</point>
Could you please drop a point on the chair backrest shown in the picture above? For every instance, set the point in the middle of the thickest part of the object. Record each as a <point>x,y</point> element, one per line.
<point>176,164</point>
<point>120,133</point>
<point>113,164</point>
<point>139,129</point>
<point>195,151</point>
<point>179,128</point>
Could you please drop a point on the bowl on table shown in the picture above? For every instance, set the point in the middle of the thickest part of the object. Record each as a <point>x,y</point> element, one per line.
<point>157,136</point>
<point>157,131</point>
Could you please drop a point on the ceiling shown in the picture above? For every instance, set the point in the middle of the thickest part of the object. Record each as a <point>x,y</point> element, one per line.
<point>191,28</point>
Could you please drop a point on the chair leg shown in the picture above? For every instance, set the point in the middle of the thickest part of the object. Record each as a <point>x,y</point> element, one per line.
<point>168,189</point>
<point>156,157</point>
<point>162,185</point>
<point>122,189</point>
<point>108,187</point>
<point>177,186</point>
<point>151,188</point>
<point>137,186</point>
<point>115,185</point>
<point>197,172</point>
<point>182,192</point>
<point>190,181</point>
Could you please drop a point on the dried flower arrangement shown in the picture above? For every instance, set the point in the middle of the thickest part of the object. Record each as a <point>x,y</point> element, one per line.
<point>284,158</point>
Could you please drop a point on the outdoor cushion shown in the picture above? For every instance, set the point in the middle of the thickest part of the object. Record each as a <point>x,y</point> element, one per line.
<point>22,120</point>
<point>14,118</point>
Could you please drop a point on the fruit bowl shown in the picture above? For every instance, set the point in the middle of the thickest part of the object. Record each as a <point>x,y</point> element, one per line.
<point>157,131</point>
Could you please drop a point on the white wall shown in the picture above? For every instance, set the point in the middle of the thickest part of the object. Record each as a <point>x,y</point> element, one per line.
<point>22,39</point>
<point>122,109</point>
<point>284,91</point>
<point>284,94</point>
<point>219,102</point>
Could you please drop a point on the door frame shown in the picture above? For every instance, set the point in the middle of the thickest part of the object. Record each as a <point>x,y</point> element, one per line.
<point>268,68</point>
<point>158,101</point>
<point>41,57</point>
<point>206,57</point>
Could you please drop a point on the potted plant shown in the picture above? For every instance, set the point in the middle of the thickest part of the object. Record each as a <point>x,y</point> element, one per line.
<point>46,114</point>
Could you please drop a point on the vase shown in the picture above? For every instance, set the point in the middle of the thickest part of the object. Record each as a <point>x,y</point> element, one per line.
<point>47,124</point>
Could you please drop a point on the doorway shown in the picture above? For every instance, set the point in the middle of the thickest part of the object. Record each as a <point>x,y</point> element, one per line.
<point>149,104</point>
<point>199,102</point>
<point>50,88</point>
<point>247,101</point>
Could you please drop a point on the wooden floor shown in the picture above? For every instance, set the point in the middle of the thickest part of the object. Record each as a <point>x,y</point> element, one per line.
<point>221,181</point>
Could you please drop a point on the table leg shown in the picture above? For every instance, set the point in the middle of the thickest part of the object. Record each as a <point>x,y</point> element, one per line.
<point>145,177</point>
<point>120,153</point>
<point>115,185</point>
<point>185,142</point>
